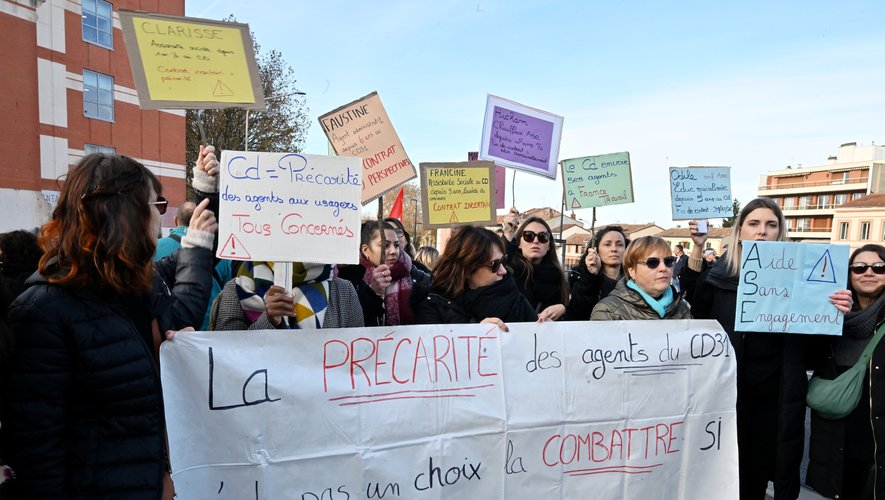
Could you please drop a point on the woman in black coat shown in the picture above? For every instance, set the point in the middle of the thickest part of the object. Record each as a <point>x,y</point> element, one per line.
<point>844,452</point>
<point>83,407</point>
<point>471,284</point>
<point>771,378</point>
<point>597,273</point>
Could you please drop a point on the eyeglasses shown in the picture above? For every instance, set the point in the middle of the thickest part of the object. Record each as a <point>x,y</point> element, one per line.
<point>654,262</point>
<point>878,268</point>
<point>496,264</point>
<point>161,204</point>
<point>529,236</point>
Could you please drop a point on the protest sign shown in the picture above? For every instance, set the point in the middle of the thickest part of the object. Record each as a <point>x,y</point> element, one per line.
<point>289,207</point>
<point>362,128</point>
<point>596,181</point>
<point>189,63</point>
<point>520,137</point>
<point>785,287</point>
<point>458,193</point>
<point>500,180</point>
<point>700,192</point>
<point>622,409</point>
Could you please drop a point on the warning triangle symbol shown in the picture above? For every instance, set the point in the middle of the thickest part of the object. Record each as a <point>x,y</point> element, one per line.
<point>233,249</point>
<point>222,90</point>
<point>454,217</point>
<point>823,269</point>
<point>576,203</point>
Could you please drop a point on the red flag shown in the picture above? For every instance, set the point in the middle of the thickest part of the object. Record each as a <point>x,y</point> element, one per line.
<point>396,211</point>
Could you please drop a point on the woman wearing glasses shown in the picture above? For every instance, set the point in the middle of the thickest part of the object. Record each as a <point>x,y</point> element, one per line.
<point>843,452</point>
<point>531,254</point>
<point>771,378</point>
<point>645,292</point>
<point>597,273</point>
<point>471,285</point>
<point>83,404</point>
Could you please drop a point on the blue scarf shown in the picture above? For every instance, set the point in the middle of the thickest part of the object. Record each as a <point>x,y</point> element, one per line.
<point>659,305</point>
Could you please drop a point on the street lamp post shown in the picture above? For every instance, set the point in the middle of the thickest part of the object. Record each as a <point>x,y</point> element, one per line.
<point>266,99</point>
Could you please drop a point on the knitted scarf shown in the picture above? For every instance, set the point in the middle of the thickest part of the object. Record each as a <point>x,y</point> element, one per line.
<point>659,305</point>
<point>396,296</point>
<point>310,289</point>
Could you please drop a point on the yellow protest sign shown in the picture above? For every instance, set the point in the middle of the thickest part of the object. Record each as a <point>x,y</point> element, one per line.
<point>458,193</point>
<point>188,63</point>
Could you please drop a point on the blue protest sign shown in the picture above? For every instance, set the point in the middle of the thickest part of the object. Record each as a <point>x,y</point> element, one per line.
<point>785,287</point>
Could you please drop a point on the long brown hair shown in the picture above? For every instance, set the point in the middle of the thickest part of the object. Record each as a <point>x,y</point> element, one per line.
<point>100,233</point>
<point>468,249</point>
<point>550,257</point>
<point>733,240</point>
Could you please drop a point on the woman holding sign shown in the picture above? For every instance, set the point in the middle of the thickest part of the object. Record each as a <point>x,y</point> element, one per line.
<point>471,284</point>
<point>771,377</point>
<point>83,407</point>
<point>531,253</point>
<point>645,292</point>
<point>844,452</point>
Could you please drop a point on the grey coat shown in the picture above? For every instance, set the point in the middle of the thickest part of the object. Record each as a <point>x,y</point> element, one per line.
<point>626,303</point>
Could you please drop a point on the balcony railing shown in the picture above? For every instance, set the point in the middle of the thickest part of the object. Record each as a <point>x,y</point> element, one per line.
<point>810,229</point>
<point>813,206</point>
<point>805,184</point>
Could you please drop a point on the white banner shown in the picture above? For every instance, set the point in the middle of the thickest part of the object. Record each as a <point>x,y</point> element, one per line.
<point>626,409</point>
<point>289,207</point>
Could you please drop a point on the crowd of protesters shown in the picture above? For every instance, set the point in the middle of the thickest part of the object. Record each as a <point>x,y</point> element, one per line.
<point>89,299</point>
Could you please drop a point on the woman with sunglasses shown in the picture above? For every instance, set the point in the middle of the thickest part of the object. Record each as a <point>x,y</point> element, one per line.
<point>471,284</point>
<point>531,254</point>
<point>771,367</point>
<point>83,407</point>
<point>597,273</point>
<point>385,276</point>
<point>843,452</point>
<point>645,292</point>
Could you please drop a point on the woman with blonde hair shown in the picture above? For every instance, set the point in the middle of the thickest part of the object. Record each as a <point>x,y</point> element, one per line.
<point>771,366</point>
<point>645,292</point>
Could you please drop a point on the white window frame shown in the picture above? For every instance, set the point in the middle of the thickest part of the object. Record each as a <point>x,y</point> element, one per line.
<point>88,149</point>
<point>98,23</point>
<point>98,96</point>
<point>843,230</point>
<point>864,230</point>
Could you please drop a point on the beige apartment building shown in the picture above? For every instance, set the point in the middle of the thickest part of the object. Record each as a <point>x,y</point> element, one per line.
<point>809,196</point>
<point>859,222</point>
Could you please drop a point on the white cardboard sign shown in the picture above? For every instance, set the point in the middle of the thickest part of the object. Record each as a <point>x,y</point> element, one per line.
<point>289,207</point>
<point>626,409</point>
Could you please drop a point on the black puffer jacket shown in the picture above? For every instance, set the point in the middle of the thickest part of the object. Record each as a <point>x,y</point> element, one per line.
<point>501,299</point>
<point>83,407</point>
<point>771,387</point>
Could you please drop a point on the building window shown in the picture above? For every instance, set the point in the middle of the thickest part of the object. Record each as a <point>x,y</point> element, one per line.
<point>843,230</point>
<point>805,202</point>
<point>823,201</point>
<point>98,96</point>
<point>865,230</point>
<point>803,224</point>
<point>839,199</point>
<point>98,25</point>
<point>789,202</point>
<point>88,149</point>
<point>855,196</point>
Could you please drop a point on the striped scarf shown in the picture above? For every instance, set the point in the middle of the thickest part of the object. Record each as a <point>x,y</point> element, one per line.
<point>310,288</point>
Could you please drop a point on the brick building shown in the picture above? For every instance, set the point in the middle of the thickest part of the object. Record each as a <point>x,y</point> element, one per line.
<point>67,90</point>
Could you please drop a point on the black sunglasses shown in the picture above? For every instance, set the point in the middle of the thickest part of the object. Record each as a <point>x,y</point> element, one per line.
<point>161,204</point>
<point>654,262</point>
<point>496,264</point>
<point>878,268</point>
<point>529,236</point>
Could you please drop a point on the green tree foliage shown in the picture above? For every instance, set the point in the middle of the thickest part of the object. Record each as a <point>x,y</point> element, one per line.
<point>735,210</point>
<point>281,128</point>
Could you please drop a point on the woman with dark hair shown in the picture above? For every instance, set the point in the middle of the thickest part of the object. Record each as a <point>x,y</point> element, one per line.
<point>83,408</point>
<point>471,285</point>
<point>405,242</point>
<point>645,291</point>
<point>771,377</point>
<point>597,273</point>
<point>384,278</point>
<point>531,253</point>
<point>19,255</point>
<point>844,452</point>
